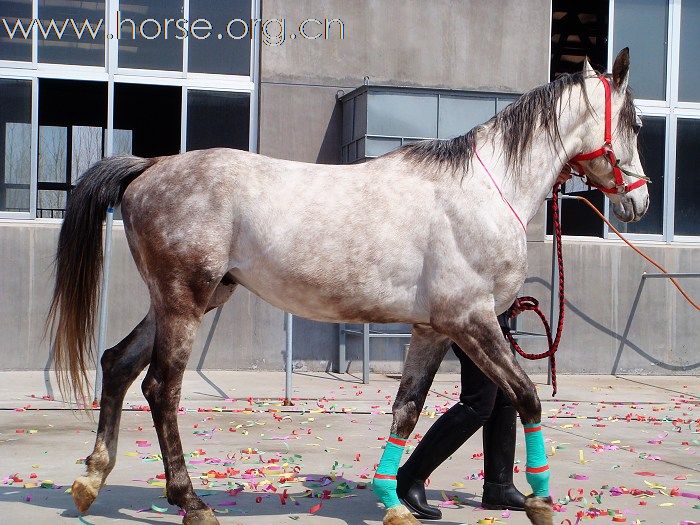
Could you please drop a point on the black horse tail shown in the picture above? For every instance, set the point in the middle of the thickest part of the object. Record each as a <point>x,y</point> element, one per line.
<point>78,266</point>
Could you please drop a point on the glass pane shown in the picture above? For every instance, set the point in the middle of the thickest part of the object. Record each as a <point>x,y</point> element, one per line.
<point>123,142</point>
<point>503,102</point>
<point>375,147</point>
<point>86,149</point>
<point>150,117</point>
<point>15,144</point>
<point>150,34</point>
<point>687,213</point>
<point>642,25</point>
<point>53,164</point>
<point>402,115</point>
<point>689,76</point>
<point>71,32</point>
<point>15,33</point>
<point>459,114</point>
<point>226,49</point>
<point>72,119</point>
<point>217,119</point>
<point>652,148</point>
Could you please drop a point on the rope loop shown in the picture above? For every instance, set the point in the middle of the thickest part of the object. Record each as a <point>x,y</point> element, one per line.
<point>530,304</point>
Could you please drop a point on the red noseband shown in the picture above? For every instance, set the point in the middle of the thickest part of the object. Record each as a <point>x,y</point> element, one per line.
<point>606,151</point>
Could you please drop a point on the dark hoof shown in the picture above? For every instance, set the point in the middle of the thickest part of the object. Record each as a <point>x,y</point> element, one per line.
<point>539,510</point>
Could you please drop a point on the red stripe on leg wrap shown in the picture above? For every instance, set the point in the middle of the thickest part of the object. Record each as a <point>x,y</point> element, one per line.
<point>397,441</point>
<point>384,476</point>
<point>532,429</point>
<point>537,470</point>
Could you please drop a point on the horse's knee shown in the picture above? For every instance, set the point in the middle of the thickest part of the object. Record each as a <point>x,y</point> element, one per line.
<point>405,418</point>
<point>528,405</point>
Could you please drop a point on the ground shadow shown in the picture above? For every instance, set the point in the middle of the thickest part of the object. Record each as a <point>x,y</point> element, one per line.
<point>123,502</point>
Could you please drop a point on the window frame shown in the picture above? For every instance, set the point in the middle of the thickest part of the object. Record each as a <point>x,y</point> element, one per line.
<point>671,109</point>
<point>111,74</point>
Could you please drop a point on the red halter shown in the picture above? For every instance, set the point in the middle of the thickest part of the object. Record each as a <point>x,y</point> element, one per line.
<point>606,151</point>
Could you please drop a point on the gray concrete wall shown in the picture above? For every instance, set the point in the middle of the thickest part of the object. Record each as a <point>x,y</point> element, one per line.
<point>246,333</point>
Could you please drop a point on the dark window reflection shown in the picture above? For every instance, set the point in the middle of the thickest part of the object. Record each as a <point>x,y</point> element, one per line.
<point>80,43</point>
<point>687,212</point>
<point>15,144</point>
<point>224,55</point>
<point>13,44</point>
<point>149,34</point>
<point>217,119</point>
<point>652,149</point>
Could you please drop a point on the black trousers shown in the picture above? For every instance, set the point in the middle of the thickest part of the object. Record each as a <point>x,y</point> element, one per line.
<point>478,391</point>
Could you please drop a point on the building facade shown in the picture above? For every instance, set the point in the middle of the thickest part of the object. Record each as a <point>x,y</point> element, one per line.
<point>275,76</point>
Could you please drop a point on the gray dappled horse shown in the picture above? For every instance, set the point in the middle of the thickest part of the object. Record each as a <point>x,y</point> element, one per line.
<point>431,234</point>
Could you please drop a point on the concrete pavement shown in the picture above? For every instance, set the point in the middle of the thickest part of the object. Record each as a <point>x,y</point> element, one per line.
<point>619,446</point>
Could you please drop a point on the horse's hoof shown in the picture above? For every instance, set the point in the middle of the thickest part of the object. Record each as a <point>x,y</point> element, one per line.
<point>539,510</point>
<point>84,493</point>
<point>400,515</point>
<point>200,517</point>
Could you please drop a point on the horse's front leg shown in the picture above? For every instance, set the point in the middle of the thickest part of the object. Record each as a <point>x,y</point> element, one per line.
<point>475,329</point>
<point>425,354</point>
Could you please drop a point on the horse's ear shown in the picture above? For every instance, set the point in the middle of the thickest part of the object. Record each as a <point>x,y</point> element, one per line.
<point>588,70</point>
<point>621,69</point>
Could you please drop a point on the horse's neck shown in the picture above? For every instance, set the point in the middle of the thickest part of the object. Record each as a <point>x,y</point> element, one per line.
<point>541,165</point>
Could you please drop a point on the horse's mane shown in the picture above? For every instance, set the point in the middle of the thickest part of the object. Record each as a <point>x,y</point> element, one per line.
<point>516,124</point>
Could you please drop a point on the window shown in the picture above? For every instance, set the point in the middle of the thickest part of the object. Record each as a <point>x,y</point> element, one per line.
<point>148,118</point>
<point>217,119</point>
<point>15,145</point>
<point>378,119</point>
<point>72,120</point>
<point>687,209</point>
<point>65,102</point>
<point>689,67</point>
<point>664,40</point>
<point>148,35</point>
<point>227,50</point>
<point>652,149</point>
<point>16,47</point>
<point>642,25</point>
<point>71,20</point>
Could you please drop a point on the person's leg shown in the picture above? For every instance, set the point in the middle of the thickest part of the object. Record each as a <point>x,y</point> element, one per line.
<point>499,454</point>
<point>446,435</point>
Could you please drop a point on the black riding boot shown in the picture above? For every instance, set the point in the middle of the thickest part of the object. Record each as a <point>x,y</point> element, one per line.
<point>499,453</point>
<point>447,434</point>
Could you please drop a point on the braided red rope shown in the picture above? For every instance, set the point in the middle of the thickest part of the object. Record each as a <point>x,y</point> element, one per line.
<point>527,303</point>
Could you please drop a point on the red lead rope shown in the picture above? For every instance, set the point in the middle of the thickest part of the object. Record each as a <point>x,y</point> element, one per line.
<point>525,303</point>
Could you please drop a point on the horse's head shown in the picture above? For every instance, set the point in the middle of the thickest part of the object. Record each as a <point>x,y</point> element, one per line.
<point>610,157</point>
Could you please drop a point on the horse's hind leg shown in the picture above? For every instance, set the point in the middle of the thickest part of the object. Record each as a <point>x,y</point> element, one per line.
<point>121,364</point>
<point>476,330</point>
<point>425,354</point>
<point>178,318</point>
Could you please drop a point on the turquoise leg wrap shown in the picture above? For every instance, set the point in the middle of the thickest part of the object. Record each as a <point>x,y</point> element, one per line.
<point>384,482</point>
<point>537,469</point>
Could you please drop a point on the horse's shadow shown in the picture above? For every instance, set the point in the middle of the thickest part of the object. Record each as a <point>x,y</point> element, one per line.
<point>123,501</point>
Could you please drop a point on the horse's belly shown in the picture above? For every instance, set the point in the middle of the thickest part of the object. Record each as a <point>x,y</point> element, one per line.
<point>314,299</point>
